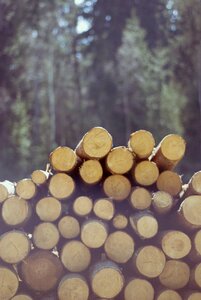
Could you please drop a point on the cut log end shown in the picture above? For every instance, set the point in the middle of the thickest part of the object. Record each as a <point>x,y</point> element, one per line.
<point>94,233</point>
<point>146,173</point>
<point>48,209</point>
<point>26,189</point>
<point>120,221</point>
<point>69,227</point>
<point>162,202</point>
<point>145,225</point>
<point>141,143</point>
<point>61,186</point>
<point>63,159</point>
<point>7,189</point>
<point>39,177</point>
<point>118,187</point>
<point>190,211</point>
<point>9,283</point>
<point>45,236</point>
<point>22,297</point>
<point>73,287</point>
<point>104,209</point>
<point>168,295</point>
<point>119,160</point>
<point>91,171</point>
<point>82,206</point>
<point>139,289</point>
<point>140,198</point>
<point>170,182</point>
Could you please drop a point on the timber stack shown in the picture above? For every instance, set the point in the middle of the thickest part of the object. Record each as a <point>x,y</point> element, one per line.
<point>103,222</point>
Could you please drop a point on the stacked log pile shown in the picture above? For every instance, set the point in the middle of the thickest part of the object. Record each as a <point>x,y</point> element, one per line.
<point>103,222</point>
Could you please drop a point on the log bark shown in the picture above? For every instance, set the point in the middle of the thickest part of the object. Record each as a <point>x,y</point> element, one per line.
<point>73,286</point>
<point>170,182</point>
<point>190,212</point>
<point>7,189</point>
<point>104,209</point>
<point>69,227</point>
<point>162,202</point>
<point>9,283</point>
<point>61,180</point>
<point>145,173</point>
<point>26,189</point>
<point>94,233</point>
<point>91,171</point>
<point>144,224</point>
<point>117,187</point>
<point>194,185</point>
<point>48,209</point>
<point>40,177</point>
<point>63,159</point>
<point>120,221</point>
<point>82,206</point>
<point>138,289</point>
<point>45,236</point>
<point>120,160</point>
<point>140,198</point>
<point>142,143</point>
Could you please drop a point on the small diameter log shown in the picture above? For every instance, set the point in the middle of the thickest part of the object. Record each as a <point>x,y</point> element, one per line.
<point>15,211</point>
<point>144,224</point>
<point>107,280</point>
<point>169,152</point>
<point>119,160</point>
<point>195,277</point>
<point>41,270</point>
<point>104,209</point>
<point>73,287</point>
<point>195,253</point>
<point>22,297</point>
<point>142,143</point>
<point>26,189</point>
<point>140,198</point>
<point>168,294</point>
<point>40,177</point>
<point>69,227</point>
<point>118,187</point>
<point>190,212</point>
<point>9,283</point>
<point>149,261</point>
<point>61,186</point>
<point>120,221</point>
<point>63,159</point>
<point>14,246</point>
<point>82,206</point>
<point>162,202</point>
<point>45,236</point>
<point>96,144</point>
<point>119,247</point>
<point>139,289</point>
<point>94,233</point>
<point>175,275</point>
<point>193,295</point>
<point>7,189</point>
<point>170,182</point>
<point>91,171</point>
<point>146,173</point>
<point>75,256</point>
<point>194,185</point>
<point>175,244</point>
<point>48,209</point>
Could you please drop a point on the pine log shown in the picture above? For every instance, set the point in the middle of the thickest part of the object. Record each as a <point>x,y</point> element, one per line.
<point>170,182</point>
<point>96,144</point>
<point>119,160</point>
<point>63,159</point>
<point>139,289</point>
<point>120,221</point>
<point>193,295</point>
<point>22,297</point>
<point>75,256</point>
<point>195,276</point>
<point>140,198</point>
<point>82,206</point>
<point>194,185</point>
<point>40,177</point>
<point>7,189</point>
<point>94,233</point>
<point>73,287</point>
<point>26,189</point>
<point>175,275</point>
<point>9,283</point>
<point>119,246</point>
<point>144,224</point>
<point>146,173</point>
<point>107,280</point>
<point>61,186</point>
<point>41,270</point>
<point>104,209</point>
<point>195,253</point>
<point>167,294</point>
<point>91,171</point>
<point>142,143</point>
<point>69,227</point>
<point>118,187</point>
<point>48,209</point>
<point>162,202</point>
<point>45,236</point>
<point>190,212</point>
<point>14,246</point>
<point>169,152</point>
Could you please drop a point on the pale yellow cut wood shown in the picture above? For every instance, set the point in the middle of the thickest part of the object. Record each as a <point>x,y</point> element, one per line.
<point>82,206</point>
<point>22,297</point>
<point>63,159</point>
<point>140,198</point>
<point>45,236</point>
<point>14,246</point>
<point>168,295</point>
<point>75,256</point>
<point>104,209</point>
<point>175,275</point>
<point>94,233</point>
<point>61,186</point>
<point>40,177</point>
<point>120,221</point>
<point>142,143</point>
<point>170,182</point>
<point>195,253</point>
<point>69,227</point>
<point>144,224</point>
<point>8,283</point>
<point>139,289</point>
<point>118,187</point>
<point>119,160</point>
<point>162,202</point>
<point>26,189</point>
<point>194,185</point>
<point>48,209</point>
<point>169,152</point>
<point>119,246</point>
<point>41,270</point>
<point>73,287</point>
<point>91,171</point>
<point>146,173</point>
<point>190,211</point>
<point>7,189</point>
<point>195,276</point>
<point>194,295</point>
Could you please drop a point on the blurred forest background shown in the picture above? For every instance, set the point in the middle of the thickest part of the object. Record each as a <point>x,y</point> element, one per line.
<point>66,66</point>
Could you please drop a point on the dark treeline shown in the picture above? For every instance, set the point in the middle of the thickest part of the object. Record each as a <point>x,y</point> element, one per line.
<point>66,66</point>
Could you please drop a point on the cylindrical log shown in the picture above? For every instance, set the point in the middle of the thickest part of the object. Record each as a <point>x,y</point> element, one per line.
<point>14,246</point>
<point>169,152</point>
<point>22,297</point>
<point>7,189</point>
<point>194,185</point>
<point>142,143</point>
<point>61,186</point>
<point>162,202</point>
<point>73,287</point>
<point>40,177</point>
<point>94,233</point>
<point>118,187</point>
<point>91,171</point>
<point>145,173</point>
<point>119,246</point>
<point>9,283</point>
<point>195,276</point>
<point>195,253</point>
<point>139,289</point>
<point>191,295</point>
<point>120,221</point>
<point>75,256</point>
<point>69,227</point>
<point>119,160</point>
<point>190,212</point>
<point>45,236</point>
<point>63,159</point>
<point>104,209</point>
<point>170,182</point>
<point>48,209</point>
<point>140,198</point>
<point>167,294</point>
<point>144,224</point>
<point>82,206</point>
<point>26,189</point>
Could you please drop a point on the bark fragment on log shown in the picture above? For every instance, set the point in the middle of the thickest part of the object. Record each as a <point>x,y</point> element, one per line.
<point>69,227</point>
<point>146,173</point>
<point>45,236</point>
<point>140,198</point>
<point>61,186</point>
<point>104,209</point>
<point>63,159</point>
<point>82,206</point>
<point>190,212</point>
<point>73,286</point>
<point>7,189</point>
<point>40,177</point>
<point>144,224</point>
<point>91,171</point>
<point>94,233</point>
<point>26,189</point>
<point>142,143</point>
<point>48,209</point>
<point>9,283</point>
<point>117,187</point>
<point>138,289</point>
<point>170,182</point>
<point>162,202</point>
<point>119,160</point>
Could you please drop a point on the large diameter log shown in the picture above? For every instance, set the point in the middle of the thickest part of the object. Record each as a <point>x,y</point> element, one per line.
<point>9,283</point>
<point>194,185</point>
<point>144,224</point>
<point>91,171</point>
<point>45,236</point>
<point>146,173</point>
<point>190,212</point>
<point>162,202</point>
<point>104,209</point>
<point>75,256</point>
<point>149,261</point>
<point>40,177</point>
<point>41,270</point>
<point>82,206</point>
<point>168,294</point>
<point>61,186</point>
<point>94,233</point>
<point>69,227</point>
<point>120,221</point>
<point>96,144</point>
<point>175,275</point>
<point>14,246</point>
<point>140,198</point>
<point>169,152</point>
<point>7,189</point>
<point>170,182</point>
<point>118,187</point>
<point>22,297</point>
<point>142,143</point>
<point>26,189</point>
<point>195,253</point>
<point>119,160</point>
<point>139,289</point>
<point>48,209</point>
<point>195,276</point>
<point>73,287</point>
<point>107,280</point>
<point>63,159</point>
<point>119,246</point>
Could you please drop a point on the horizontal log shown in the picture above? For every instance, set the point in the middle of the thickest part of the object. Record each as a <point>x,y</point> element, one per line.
<point>138,288</point>
<point>142,143</point>
<point>120,221</point>
<point>162,202</point>
<point>117,187</point>
<point>94,233</point>
<point>40,177</point>
<point>7,189</point>
<point>26,189</point>
<point>170,182</point>
<point>190,212</point>
<point>64,180</point>
<point>119,160</point>
<point>168,294</point>
<point>195,253</point>
<point>45,236</point>
<point>82,206</point>
<point>140,198</point>
<point>69,227</point>
<point>144,224</point>
<point>22,297</point>
<point>194,185</point>
<point>63,159</point>
<point>73,286</point>
<point>9,283</point>
<point>48,209</point>
<point>145,173</point>
<point>104,209</point>
<point>91,171</point>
